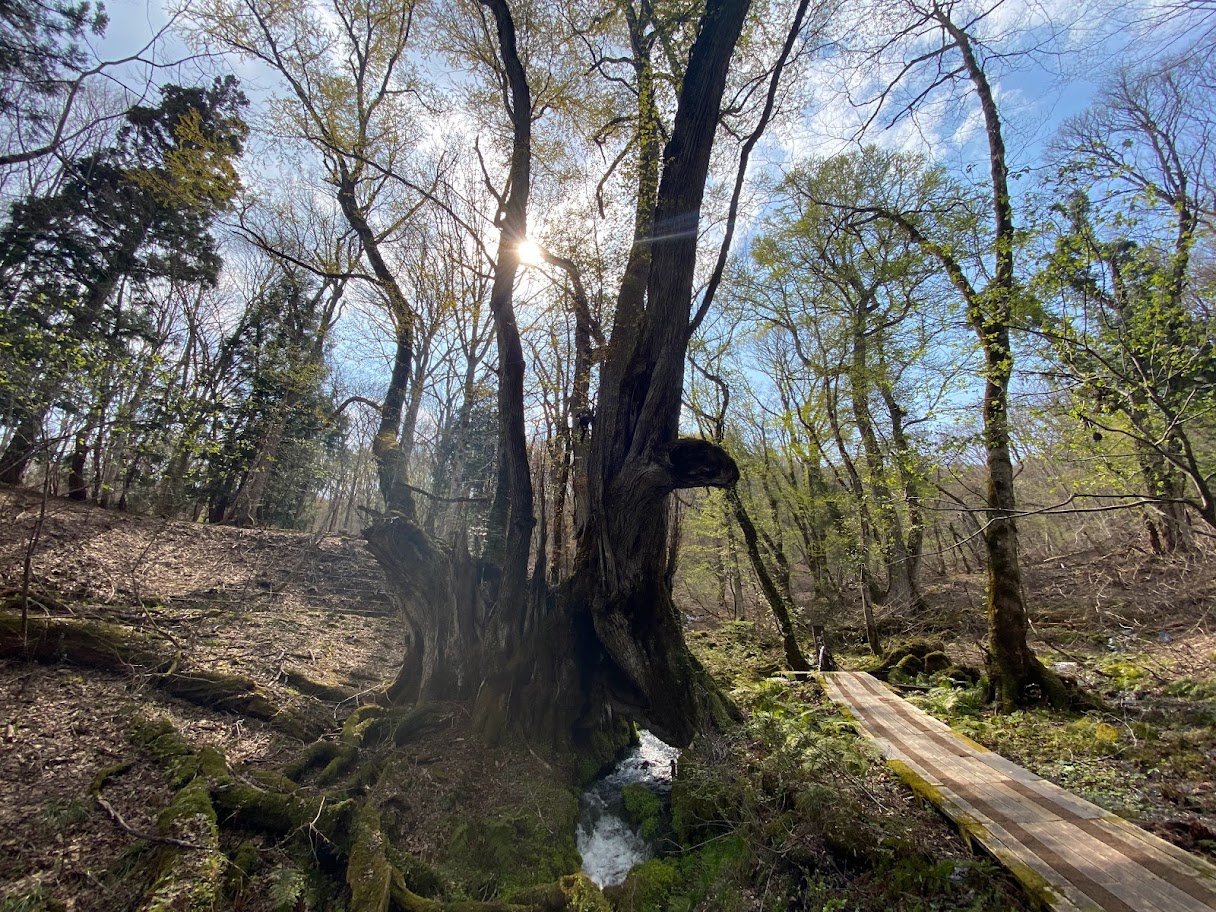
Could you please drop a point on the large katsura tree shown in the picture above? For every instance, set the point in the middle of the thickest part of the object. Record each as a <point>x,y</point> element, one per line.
<point>573,662</point>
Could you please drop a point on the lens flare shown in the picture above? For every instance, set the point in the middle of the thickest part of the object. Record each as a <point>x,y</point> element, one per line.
<point>529,253</point>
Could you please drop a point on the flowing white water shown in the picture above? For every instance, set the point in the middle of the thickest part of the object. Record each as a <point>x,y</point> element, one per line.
<point>607,842</point>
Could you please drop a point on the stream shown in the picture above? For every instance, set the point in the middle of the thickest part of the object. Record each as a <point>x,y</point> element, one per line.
<point>608,843</point>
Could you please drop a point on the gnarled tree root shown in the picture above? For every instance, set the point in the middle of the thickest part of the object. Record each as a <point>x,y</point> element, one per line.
<point>187,879</point>
<point>95,644</point>
<point>332,693</point>
<point>347,826</point>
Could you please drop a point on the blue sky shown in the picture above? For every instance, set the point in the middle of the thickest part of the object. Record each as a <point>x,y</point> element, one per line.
<point>1037,91</point>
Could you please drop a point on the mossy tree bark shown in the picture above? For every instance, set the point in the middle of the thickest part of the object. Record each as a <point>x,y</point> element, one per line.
<point>1016,675</point>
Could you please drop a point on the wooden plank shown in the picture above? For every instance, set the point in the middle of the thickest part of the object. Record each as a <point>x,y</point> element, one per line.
<point>1139,887</point>
<point>1036,874</point>
<point>1069,805</point>
<point>1188,872</point>
<point>1009,805</point>
<point>1042,882</point>
<point>1069,853</point>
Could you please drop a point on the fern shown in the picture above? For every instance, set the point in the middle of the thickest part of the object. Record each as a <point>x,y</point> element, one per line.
<point>287,884</point>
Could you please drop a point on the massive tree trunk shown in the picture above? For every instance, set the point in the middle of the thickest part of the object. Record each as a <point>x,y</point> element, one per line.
<point>636,456</point>
<point>572,664</point>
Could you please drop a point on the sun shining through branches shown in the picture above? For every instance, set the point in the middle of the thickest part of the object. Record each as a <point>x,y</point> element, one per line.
<point>530,253</point>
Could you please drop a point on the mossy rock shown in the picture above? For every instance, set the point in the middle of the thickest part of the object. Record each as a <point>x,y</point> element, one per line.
<point>582,895</point>
<point>515,849</point>
<point>649,887</point>
<point>702,878</point>
<point>920,648</point>
<point>644,810</point>
<point>598,748</point>
<point>936,662</point>
<point>910,665</point>
<point>959,676</point>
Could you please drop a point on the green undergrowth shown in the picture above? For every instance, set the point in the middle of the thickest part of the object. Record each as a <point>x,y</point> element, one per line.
<point>1070,748</point>
<point>514,849</point>
<point>735,654</point>
<point>646,811</point>
<point>795,811</point>
<point>1154,731</point>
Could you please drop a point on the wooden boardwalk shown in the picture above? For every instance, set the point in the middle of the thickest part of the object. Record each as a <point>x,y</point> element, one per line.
<point>1068,853</point>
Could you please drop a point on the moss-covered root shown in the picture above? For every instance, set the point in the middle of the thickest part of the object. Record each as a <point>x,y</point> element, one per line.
<point>255,808</point>
<point>188,880</point>
<point>321,690</point>
<point>573,893</point>
<point>377,886</point>
<point>368,872</point>
<point>1065,693</point>
<point>367,727</point>
<point>350,828</point>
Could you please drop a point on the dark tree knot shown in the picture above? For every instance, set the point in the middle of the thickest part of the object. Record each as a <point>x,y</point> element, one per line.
<point>700,464</point>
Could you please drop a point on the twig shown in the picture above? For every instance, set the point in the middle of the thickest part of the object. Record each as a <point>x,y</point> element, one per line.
<point>139,834</point>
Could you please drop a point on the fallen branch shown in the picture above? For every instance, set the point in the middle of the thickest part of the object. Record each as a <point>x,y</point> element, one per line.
<point>94,644</point>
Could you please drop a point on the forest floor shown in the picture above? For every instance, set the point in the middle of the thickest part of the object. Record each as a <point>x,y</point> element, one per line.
<point>1138,632</point>
<point>790,812</point>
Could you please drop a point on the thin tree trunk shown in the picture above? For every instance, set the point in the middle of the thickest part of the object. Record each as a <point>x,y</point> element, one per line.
<point>901,587</point>
<point>22,446</point>
<point>910,482</point>
<point>245,506</point>
<point>391,457</point>
<point>778,601</point>
<point>78,486</point>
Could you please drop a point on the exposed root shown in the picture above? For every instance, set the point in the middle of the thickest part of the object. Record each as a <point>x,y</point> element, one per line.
<point>189,863</point>
<point>346,824</point>
<point>332,693</point>
<point>99,782</point>
<point>95,644</point>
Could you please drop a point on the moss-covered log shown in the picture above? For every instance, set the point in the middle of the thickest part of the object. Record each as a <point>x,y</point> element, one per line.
<point>310,687</point>
<point>95,644</point>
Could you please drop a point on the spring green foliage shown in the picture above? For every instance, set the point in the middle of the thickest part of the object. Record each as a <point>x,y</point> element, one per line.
<point>1129,304</point>
<point>793,802</point>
